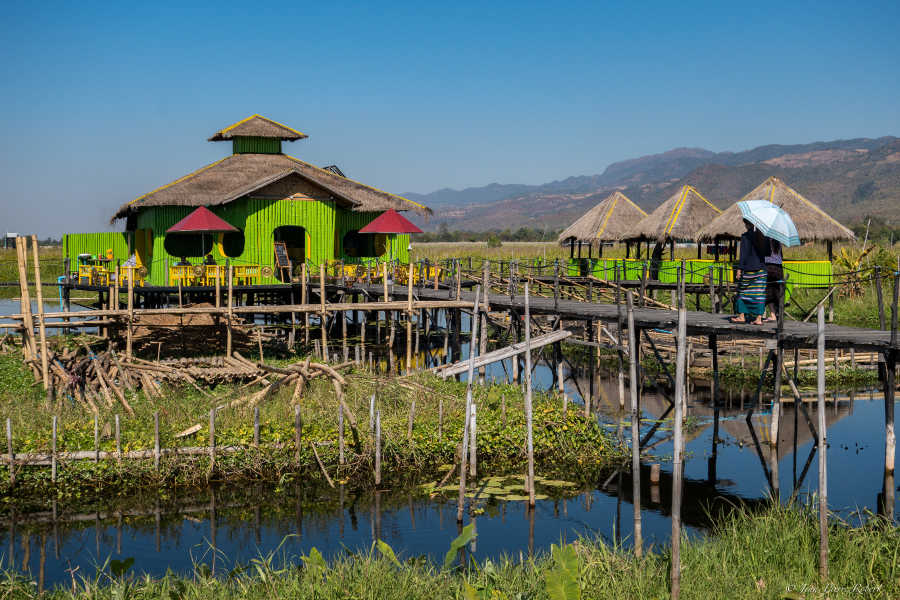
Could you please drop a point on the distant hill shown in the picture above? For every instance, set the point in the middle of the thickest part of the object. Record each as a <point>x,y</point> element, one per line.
<point>848,178</point>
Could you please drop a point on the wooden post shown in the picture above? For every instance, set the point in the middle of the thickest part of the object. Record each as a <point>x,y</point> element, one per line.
<point>156,440</point>
<point>11,454</point>
<point>298,432</point>
<point>218,288</point>
<point>372,414</point>
<point>556,286</point>
<point>678,446</point>
<point>378,447</point>
<point>130,331</point>
<point>53,450</point>
<point>29,346</point>
<point>468,414</point>
<point>830,296</point>
<point>529,414</point>
<point>409,317</point>
<point>118,441</point>
<point>822,446</point>
<point>473,447</point>
<point>45,362</point>
<point>212,440</point>
<point>340,434</point>
<point>482,343</point>
<point>384,280</point>
<point>303,300</point>
<point>323,316</point>
<point>633,384</point>
<point>230,316</point>
<point>96,438</point>
<point>890,436</point>
<point>256,426</point>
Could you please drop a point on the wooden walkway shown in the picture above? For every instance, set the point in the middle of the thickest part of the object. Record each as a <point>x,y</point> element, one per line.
<point>794,335</point>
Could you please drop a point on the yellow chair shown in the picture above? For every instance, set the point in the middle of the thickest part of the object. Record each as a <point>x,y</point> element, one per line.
<point>210,272</point>
<point>246,274</point>
<point>93,274</point>
<point>183,274</point>
<point>138,273</point>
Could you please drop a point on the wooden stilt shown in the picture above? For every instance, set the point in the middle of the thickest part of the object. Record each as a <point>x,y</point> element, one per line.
<point>822,447</point>
<point>129,354</point>
<point>529,412</point>
<point>323,315</point>
<point>229,316</point>
<point>678,446</point>
<point>45,363</point>
<point>633,384</point>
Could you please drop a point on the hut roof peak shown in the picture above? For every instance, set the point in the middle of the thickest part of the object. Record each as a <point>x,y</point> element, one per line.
<point>257,126</point>
<point>678,218</point>
<point>605,222</point>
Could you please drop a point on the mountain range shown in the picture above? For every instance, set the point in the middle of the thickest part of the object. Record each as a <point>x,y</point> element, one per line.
<point>850,179</point>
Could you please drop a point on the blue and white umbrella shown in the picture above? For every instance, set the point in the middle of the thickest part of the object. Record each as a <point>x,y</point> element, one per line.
<point>771,220</point>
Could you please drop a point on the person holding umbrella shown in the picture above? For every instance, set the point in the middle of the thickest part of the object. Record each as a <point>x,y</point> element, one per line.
<point>751,274</point>
<point>768,228</point>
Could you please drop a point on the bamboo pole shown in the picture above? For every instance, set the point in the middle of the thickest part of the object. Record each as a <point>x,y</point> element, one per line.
<point>229,336</point>
<point>633,383</point>
<point>130,332</point>
<point>678,447</point>
<point>12,455</point>
<point>304,300</point>
<point>822,446</point>
<point>53,422</point>
<point>529,413</point>
<point>467,415</point>
<point>212,440</point>
<point>28,344</point>
<point>378,447</point>
<point>156,439</point>
<point>409,317</point>
<point>45,364</point>
<point>323,316</point>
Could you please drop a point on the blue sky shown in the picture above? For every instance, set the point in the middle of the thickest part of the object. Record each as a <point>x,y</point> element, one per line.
<point>102,102</point>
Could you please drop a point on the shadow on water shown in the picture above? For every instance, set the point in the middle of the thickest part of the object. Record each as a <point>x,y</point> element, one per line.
<point>729,462</point>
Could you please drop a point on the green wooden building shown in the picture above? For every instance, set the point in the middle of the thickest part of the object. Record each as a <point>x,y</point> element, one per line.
<point>269,196</point>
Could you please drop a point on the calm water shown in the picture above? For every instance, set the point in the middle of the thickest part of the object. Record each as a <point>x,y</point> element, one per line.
<point>226,527</point>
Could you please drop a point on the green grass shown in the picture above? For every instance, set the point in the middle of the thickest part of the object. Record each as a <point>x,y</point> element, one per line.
<point>769,555</point>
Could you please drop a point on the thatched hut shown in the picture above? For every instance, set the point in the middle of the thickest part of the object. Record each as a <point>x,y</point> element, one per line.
<point>813,223</point>
<point>268,196</point>
<point>677,219</point>
<point>605,222</point>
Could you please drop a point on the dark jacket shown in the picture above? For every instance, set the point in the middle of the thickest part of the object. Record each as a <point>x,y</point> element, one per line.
<point>751,256</point>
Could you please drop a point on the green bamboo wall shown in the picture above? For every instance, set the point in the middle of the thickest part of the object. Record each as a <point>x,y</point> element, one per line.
<point>96,244</point>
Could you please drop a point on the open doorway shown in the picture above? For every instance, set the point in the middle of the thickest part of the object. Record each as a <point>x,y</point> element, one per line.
<point>294,238</point>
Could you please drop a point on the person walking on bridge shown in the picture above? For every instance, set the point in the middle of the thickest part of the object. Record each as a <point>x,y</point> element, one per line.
<point>751,274</point>
<point>775,276</point>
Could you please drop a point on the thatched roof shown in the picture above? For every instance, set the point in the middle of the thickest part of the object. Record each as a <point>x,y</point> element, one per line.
<point>258,126</point>
<point>606,222</point>
<point>678,218</point>
<point>240,175</point>
<point>813,223</point>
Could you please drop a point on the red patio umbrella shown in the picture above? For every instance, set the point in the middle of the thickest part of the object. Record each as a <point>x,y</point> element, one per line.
<point>201,220</point>
<point>390,222</point>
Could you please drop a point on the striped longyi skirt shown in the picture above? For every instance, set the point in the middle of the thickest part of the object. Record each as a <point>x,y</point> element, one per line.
<point>752,293</point>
